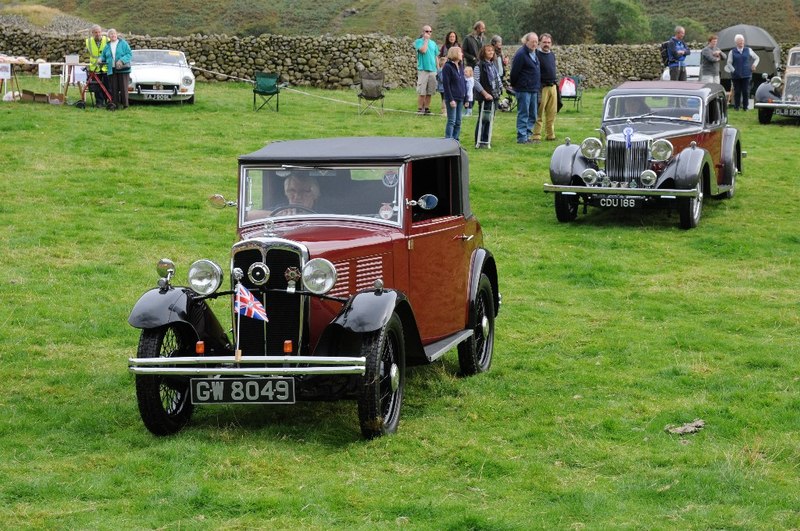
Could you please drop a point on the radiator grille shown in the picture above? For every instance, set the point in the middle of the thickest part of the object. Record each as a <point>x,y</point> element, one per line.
<point>626,164</point>
<point>284,310</point>
<point>791,92</point>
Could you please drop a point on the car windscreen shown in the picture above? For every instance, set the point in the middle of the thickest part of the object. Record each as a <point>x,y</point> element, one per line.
<point>358,191</point>
<point>162,57</point>
<point>648,106</point>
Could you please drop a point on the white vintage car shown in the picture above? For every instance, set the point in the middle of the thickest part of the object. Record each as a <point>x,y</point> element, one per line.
<point>161,75</point>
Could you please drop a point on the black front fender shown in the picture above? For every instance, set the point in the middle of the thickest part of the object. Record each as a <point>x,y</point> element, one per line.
<point>157,308</point>
<point>566,163</point>
<point>367,312</point>
<point>687,168</point>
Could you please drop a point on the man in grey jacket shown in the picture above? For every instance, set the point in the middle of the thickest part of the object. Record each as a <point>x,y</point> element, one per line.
<point>710,57</point>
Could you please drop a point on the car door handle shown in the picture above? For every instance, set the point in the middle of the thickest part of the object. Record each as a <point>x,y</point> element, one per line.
<point>466,238</point>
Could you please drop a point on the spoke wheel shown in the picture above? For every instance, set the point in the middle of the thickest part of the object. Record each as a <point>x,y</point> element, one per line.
<point>164,402</point>
<point>475,353</point>
<point>384,380</point>
<point>690,208</point>
<point>566,207</point>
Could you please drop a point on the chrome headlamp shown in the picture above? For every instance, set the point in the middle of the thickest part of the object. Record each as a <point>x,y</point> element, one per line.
<point>776,82</point>
<point>319,276</point>
<point>648,178</point>
<point>661,150</point>
<point>205,277</point>
<point>589,176</point>
<point>187,81</point>
<point>592,148</point>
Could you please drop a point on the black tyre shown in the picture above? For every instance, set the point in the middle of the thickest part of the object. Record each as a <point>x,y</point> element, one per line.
<point>764,116</point>
<point>164,402</point>
<point>566,207</point>
<point>475,354</point>
<point>690,208</point>
<point>384,380</point>
<point>80,104</point>
<point>190,101</point>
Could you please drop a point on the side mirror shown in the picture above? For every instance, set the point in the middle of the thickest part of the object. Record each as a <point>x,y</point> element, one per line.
<point>218,201</point>
<point>428,202</point>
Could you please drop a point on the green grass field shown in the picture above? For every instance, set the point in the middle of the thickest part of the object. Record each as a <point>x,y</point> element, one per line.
<point>611,328</point>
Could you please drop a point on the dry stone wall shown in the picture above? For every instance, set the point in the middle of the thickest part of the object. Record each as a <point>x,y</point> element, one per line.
<point>326,61</point>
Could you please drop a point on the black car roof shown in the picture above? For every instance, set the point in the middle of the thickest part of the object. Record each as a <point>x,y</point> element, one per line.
<point>354,149</point>
<point>685,88</point>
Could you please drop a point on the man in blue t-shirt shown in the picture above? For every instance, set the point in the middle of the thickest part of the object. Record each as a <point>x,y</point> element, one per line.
<point>427,50</point>
<point>677,51</point>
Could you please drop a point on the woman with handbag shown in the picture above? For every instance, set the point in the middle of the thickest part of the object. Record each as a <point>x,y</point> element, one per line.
<point>117,55</point>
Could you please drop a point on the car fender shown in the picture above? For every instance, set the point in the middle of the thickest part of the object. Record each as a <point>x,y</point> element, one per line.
<point>566,163</point>
<point>731,158</point>
<point>365,312</point>
<point>766,92</point>
<point>158,307</point>
<point>687,168</point>
<point>482,262</point>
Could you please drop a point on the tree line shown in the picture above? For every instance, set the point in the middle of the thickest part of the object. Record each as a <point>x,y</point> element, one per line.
<point>571,21</point>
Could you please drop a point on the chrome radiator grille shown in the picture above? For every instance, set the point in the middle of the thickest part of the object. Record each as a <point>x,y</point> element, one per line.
<point>284,310</point>
<point>626,164</point>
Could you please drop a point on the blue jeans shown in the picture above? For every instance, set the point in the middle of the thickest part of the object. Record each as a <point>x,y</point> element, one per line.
<point>453,127</point>
<point>527,107</point>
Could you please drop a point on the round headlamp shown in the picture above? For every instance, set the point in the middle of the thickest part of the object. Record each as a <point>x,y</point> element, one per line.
<point>589,176</point>
<point>648,178</point>
<point>319,276</point>
<point>187,81</point>
<point>661,150</point>
<point>205,277</point>
<point>776,82</point>
<point>592,148</point>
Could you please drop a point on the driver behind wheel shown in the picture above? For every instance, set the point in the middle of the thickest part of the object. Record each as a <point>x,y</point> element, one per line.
<point>302,190</point>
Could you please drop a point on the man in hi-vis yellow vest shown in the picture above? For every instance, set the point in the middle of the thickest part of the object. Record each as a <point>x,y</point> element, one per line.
<point>94,46</point>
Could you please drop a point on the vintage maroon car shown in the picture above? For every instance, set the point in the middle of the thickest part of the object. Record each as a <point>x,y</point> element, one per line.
<point>356,258</point>
<point>662,143</point>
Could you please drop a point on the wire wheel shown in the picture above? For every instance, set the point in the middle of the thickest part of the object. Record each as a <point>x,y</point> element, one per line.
<point>384,380</point>
<point>164,402</point>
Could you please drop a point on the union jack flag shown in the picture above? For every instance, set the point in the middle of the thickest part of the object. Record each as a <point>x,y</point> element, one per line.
<point>246,304</point>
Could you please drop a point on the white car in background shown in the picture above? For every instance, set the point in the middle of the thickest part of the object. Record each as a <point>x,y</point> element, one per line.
<point>161,75</point>
<point>692,63</point>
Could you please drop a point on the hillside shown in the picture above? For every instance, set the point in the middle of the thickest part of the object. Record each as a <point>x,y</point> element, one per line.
<point>391,17</point>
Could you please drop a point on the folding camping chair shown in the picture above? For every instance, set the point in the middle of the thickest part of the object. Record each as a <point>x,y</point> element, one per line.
<point>371,92</point>
<point>571,88</point>
<point>485,120</point>
<point>267,87</point>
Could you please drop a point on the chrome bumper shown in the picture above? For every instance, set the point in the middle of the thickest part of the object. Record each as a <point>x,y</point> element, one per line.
<point>766,105</point>
<point>247,365</point>
<point>598,190</point>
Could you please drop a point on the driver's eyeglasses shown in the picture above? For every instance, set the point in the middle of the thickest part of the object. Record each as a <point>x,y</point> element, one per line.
<point>428,31</point>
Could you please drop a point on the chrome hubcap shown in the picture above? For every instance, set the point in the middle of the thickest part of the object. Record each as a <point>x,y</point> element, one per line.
<point>485,326</point>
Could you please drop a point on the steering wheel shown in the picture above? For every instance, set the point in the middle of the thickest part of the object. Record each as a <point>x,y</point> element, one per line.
<point>292,207</point>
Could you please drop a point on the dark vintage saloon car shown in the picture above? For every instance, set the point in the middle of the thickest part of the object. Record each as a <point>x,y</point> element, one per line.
<point>661,143</point>
<point>781,96</point>
<point>356,258</point>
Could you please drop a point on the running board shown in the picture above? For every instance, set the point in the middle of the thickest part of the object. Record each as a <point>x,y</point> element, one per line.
<point>434,351</point>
